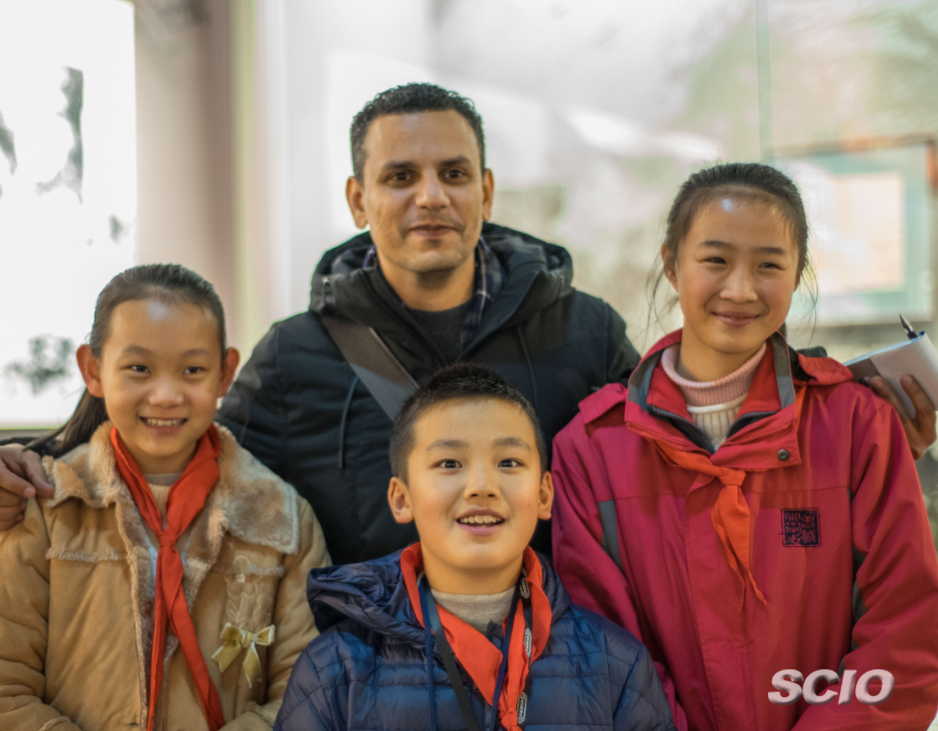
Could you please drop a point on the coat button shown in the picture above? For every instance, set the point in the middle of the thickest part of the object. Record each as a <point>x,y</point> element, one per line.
<point>783,454</point>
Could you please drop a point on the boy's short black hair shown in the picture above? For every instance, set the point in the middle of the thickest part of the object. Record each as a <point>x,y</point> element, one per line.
<point>410,99</point>
<point>459,381</point>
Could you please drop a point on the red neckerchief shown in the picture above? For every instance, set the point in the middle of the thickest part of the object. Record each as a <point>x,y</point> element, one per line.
<point>186,498</point>
<point>482,659</point>
<point>730,513</point>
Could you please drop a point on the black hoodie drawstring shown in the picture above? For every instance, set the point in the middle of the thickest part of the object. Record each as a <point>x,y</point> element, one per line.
<point>345,410</point>
<point>527,359</point>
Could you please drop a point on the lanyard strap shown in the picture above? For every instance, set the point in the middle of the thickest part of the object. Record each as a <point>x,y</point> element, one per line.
<point>434,631</point>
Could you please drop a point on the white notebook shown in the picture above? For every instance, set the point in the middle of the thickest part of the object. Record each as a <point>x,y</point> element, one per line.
<point>917,357</point>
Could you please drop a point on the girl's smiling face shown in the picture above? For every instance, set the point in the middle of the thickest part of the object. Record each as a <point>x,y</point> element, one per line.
<point>735,274</point>
<point>160,373</point>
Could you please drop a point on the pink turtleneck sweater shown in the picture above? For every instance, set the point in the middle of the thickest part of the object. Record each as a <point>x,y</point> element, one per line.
<point>713,405</point>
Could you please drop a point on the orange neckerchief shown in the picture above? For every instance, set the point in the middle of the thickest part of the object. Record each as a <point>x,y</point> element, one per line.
<point>186,498</point>
<point>730,513</point>
<point>482,659</point>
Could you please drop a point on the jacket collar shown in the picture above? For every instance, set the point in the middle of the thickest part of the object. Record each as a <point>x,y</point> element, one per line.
<point>248,500</point>
<point>772,386</point>
<point>767,421</point>
<point>536,274</point>
<point>374,595</point>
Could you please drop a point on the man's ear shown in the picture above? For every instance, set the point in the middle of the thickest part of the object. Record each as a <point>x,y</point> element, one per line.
<point>399,500</point>
<point>488,195</point>
<point>355,195</point>
<point>228,370</point>
<point>90,368</point>
<point>545,496</point>
<point>670,266</point>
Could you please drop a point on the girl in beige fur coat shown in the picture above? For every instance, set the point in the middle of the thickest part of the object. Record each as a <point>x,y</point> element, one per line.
<point>164,585</point>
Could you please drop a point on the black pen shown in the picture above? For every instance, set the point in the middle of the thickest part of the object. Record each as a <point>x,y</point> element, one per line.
<point>910,333</point>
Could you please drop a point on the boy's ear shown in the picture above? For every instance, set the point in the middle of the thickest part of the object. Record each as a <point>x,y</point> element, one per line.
<point>399,500</point>
<point>90,368</point>
<point>228,370</point>
<point>545,497</point>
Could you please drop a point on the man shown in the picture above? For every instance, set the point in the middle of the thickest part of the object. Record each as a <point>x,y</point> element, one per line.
<point>438,283</point>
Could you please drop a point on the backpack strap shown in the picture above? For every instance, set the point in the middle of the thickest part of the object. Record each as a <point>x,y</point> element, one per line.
<point>383,375</point>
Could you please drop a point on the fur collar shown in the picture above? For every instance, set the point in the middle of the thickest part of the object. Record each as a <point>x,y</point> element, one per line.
<point>248,501</point>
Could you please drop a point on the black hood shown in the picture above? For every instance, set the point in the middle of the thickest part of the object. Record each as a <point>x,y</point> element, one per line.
<point>373,594</point>
<point>537,274</point>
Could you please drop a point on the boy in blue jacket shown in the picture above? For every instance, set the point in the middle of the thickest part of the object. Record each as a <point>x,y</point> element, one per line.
<point>469,628</point>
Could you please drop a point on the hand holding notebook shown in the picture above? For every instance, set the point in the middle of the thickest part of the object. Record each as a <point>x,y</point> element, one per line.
<point>915,356</point>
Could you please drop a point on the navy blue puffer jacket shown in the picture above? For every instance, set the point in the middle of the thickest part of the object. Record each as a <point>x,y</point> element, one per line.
<point>367,670</point>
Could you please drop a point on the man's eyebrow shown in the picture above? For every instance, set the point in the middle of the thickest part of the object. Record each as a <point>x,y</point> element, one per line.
<point>512,442</point>
<point>197,351</point>
<point>398,165</point>
<point>717,244</point>
<point>458,160</point>
<point>447,444</point>
<point>405,164</point>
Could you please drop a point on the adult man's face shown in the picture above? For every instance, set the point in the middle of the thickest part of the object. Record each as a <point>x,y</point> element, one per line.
<point>423,192</point>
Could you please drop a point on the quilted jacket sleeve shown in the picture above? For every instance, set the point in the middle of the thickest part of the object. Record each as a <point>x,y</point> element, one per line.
<point>311,702</point>
<point>585,567</point>
<point>642,705</point>
<point>896,581</point>
<point>254,408</point>
<point>292,618</point>
<point>24,612</point>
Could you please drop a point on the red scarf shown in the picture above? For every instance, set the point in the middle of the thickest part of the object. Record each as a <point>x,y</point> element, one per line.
<point>730,513</point>
<point>482,659</point>
<point>186,498</point>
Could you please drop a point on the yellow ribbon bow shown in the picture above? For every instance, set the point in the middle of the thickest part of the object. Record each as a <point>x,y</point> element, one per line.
<point>239,639</point>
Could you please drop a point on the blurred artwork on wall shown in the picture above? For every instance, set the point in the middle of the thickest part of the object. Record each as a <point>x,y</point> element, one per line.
<point>67,190</point>
<point>869,208</point>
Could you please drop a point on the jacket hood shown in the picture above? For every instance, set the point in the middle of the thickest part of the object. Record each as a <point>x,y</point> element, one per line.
<point>536,275</point>
<point>374,595</point>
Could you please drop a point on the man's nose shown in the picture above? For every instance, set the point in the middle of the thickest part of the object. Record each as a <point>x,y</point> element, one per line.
<point>738,286</point>
<point>431,193</point>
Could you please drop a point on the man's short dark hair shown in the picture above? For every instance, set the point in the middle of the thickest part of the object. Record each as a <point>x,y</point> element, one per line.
<point>409,99</point>
<point>460,381</point>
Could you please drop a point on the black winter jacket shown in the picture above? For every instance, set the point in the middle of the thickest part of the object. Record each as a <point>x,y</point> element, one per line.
<point>298,407</point>
<point>368,668</point>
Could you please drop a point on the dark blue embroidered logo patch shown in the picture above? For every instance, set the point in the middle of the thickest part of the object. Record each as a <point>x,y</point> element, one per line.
<point>801,527</point>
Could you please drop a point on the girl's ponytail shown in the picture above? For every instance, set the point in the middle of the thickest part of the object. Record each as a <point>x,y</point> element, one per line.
<point>87,417</point>
<point>167,283</point>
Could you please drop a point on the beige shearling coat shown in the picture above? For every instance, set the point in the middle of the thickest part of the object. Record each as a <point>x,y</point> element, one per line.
<point>77,597</point>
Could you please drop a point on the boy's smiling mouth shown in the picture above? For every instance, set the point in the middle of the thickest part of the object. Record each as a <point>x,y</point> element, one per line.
<point>480,519</point>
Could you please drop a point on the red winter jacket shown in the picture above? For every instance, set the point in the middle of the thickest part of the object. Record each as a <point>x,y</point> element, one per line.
<point>839,544</point>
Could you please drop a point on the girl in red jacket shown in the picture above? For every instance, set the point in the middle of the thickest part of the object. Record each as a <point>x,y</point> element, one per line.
<point>746,510</point>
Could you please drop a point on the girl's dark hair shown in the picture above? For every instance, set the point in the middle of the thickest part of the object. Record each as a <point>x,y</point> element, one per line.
<point>746,180</point>
<point>167,283</point>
